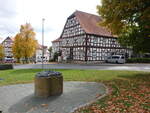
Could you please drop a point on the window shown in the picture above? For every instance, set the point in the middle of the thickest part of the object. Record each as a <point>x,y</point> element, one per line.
<point>109,58</point>
<point>67,42</point>
<point>75,41</point>
<point>122,57</point>
<point>95,40</point>
<point>115,57</point>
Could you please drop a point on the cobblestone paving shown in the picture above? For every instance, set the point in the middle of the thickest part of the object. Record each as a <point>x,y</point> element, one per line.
<point>20,98</point>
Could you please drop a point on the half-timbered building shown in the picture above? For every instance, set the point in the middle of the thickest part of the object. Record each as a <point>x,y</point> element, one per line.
<point>83,39</point>
<point>7,44</point>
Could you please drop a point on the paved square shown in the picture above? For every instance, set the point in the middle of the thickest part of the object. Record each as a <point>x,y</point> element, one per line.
<point>20,98</point>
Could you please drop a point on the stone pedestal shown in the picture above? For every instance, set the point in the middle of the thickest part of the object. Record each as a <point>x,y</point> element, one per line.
<point>48,86</point>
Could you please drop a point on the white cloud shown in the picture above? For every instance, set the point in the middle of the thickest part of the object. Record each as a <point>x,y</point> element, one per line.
<point>13,13</point>
<point>7,8</point>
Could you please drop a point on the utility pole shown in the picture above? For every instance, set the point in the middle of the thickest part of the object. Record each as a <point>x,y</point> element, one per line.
<point>43,42</point>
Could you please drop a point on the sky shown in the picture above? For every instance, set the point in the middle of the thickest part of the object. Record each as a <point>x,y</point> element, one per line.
<point>14,13</point>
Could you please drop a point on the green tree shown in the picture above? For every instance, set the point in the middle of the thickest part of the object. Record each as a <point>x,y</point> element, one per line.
<point>50,51</point>
<point>1,52</point>
<point>130,20</point>
<point>25,44</point>
<point>55,57</point>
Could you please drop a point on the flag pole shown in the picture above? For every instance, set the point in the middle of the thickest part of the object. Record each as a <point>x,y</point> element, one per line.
<point>43,42</point>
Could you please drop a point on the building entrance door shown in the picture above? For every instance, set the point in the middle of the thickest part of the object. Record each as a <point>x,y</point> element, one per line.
<point>71,53</point>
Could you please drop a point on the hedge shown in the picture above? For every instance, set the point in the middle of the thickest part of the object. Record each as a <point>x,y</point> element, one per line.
<point>138,60</point>
<point>6,66</point>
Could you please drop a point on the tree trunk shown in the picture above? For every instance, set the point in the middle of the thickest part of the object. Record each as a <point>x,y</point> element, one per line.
<point>18,60</point>
<point>26,60</point>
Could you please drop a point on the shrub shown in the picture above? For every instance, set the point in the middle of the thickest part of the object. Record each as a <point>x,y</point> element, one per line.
<point>51,60</point>
<point>56,54</point>
<point>6,66</point>
<point>138,60</point>
<point>55,58</point>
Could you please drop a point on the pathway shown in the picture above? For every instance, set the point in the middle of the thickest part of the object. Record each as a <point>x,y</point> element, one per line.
<point>20,98</point>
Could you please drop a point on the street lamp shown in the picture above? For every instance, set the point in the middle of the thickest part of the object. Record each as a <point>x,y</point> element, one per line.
<point>42,41</point>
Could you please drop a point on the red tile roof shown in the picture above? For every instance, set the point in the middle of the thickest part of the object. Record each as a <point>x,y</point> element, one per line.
<point>57,40</point>
<point>13,38</point>
<point>1,39</point>
<point>40,46</point>
<point>89,23</point>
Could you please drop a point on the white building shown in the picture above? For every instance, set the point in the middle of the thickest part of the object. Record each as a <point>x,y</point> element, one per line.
<point>38,55</point>
<point>56,45</point>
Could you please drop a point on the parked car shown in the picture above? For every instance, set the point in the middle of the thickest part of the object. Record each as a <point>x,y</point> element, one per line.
<point>116,59</point>
<point>9,60</point>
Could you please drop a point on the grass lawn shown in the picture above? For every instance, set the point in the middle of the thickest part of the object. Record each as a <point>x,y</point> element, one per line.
<point>129,90</point>
<point>27,75</point>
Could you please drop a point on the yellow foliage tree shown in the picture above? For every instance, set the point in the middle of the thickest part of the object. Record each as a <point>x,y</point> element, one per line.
<point>25,43</point>
<point>1,52</point>
<point>17,47</point>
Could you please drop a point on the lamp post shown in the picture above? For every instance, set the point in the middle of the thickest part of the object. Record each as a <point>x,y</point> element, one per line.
<point>42,41</point>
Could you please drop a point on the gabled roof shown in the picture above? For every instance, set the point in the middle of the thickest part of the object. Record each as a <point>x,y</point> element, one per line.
<point>1,40</point>
<point>40,46</point>
<point>89,23</point>
<point>11,38</point>
<point>57,40</point>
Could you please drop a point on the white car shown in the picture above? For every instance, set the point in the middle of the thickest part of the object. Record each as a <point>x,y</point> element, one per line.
<point>116,59</point>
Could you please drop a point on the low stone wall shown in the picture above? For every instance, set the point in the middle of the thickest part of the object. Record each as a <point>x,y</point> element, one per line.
<point>6,66</point>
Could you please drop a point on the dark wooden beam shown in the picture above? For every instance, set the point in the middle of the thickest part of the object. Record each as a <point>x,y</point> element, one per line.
<point>93,47</point>
<point>86,38</point>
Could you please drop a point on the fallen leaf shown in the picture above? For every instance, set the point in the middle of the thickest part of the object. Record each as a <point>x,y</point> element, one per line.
<point>98,95</point>
<point>44,105</point>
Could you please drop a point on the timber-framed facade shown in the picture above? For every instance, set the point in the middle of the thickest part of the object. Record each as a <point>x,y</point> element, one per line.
<point>83,40</point>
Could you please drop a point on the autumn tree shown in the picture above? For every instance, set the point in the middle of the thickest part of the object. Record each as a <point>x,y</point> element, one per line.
<point>1,52</point>
<point>25,44</point>
<point>17,47</point>
<point>130,20</point>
